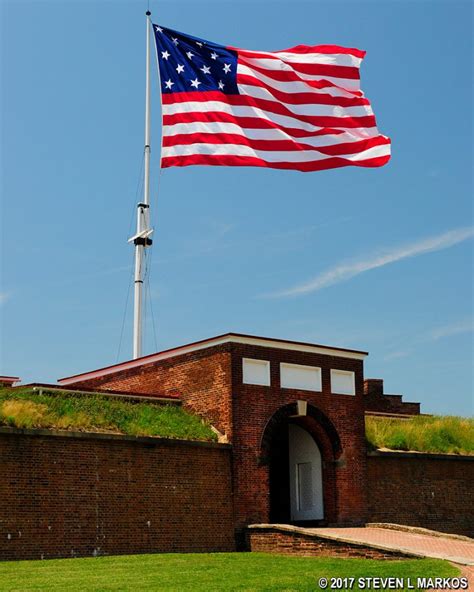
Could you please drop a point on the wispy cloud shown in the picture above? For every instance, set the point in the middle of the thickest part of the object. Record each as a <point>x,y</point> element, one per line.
<point>346,271</point>
<point>455,328</point>
<point>397,354</point>
<point>221,228</point>
<point>464,326</point>
<point>4,296</point>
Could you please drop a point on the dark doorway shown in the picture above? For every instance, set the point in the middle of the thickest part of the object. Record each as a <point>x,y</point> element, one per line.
<point>279,476</point>
<point>275,452</point>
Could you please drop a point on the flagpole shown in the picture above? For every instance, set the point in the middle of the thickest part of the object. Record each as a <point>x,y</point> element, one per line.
<point>141,239</point>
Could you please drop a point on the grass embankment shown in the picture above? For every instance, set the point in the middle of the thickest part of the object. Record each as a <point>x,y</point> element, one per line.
<point>255,572</point>
<point>25,408</point>
<point>441,434</point>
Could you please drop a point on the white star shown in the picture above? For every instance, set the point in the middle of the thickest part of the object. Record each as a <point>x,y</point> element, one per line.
<point>205,69</point>
<point>159,29</point>
<point>165,55</point>
<point>180,69</point>
<point>189,54</point>
<point>199,43</point>
<point>226,68</point>
<point>169,84</point>
<point>195,83</point>
<point>174,40</point>
<point>221,85</point>
<point>214,55</point>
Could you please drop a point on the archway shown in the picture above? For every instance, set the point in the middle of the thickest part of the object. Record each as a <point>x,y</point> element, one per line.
<point>301,452</point>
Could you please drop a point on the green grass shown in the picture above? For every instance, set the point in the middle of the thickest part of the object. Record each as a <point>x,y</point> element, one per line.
<point>215,572</point>
<point>442,434</point>
<point>24,408</point>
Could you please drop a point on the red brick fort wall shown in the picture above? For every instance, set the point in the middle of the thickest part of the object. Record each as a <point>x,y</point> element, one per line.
<point>427,490</point>
<point>90,494</point>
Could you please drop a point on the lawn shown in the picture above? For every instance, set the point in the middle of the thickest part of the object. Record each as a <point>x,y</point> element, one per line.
<point>203,572</point>
<point>25,408</point>
<point>442,434</point>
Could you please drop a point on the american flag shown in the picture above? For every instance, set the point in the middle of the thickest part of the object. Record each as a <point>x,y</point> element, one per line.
<point>299,108</point>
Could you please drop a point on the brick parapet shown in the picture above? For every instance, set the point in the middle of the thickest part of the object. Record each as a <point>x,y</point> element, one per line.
<point>432,491</point>
<point>378,401</point>
<point>70,495</point>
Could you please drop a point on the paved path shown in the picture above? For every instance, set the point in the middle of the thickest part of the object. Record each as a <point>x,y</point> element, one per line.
<point>455,550</point>
<point>468,572</point>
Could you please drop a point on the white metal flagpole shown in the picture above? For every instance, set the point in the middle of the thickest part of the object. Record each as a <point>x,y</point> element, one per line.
<point>142,239</point>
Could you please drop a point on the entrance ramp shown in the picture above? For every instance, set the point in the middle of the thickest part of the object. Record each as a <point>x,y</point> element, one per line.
<point>374,542</point>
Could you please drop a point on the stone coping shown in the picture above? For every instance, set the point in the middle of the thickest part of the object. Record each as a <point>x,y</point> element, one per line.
<point>308,532</point>
<point>418,455</point>
<point>149,441</point>
<point>419,530</point>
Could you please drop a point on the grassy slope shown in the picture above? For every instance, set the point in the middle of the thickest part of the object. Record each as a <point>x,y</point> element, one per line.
<point>24,408</point>
<point>203,572</point>
<point>442,434</point>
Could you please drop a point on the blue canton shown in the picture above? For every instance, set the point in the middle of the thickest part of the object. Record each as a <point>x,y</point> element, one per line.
<point>190,64</point>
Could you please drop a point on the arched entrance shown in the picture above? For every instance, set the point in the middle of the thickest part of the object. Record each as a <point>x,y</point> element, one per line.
<point>300,452</point>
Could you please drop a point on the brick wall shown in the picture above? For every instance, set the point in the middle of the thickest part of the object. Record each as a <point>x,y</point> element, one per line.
<point>431,491</point>
<point>276,540</point>
<point>201,379</point>
<point>380,402</point>
<point>80,495</point>
<point>209,382</point>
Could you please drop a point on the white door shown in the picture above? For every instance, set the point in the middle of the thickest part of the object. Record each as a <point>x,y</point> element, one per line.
<point>306,483</point>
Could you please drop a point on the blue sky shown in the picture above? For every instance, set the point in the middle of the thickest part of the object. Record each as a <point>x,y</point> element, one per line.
<point>379,260</point>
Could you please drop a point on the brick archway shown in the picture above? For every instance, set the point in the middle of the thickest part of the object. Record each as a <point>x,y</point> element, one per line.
<point>274,455</point>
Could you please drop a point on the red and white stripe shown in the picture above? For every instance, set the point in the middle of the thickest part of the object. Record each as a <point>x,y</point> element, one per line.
<point>301,108</point>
